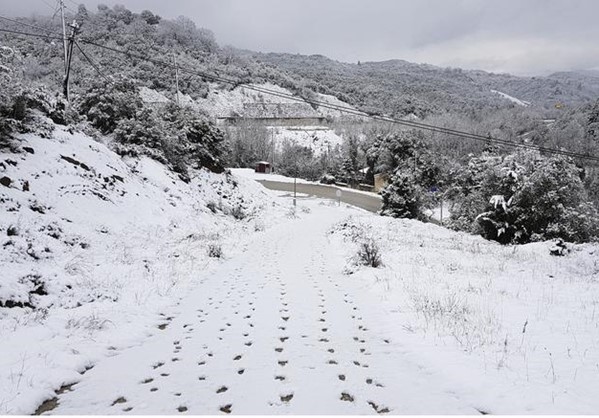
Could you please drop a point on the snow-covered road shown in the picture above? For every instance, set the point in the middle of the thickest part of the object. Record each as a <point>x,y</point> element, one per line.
<point>276,330</point>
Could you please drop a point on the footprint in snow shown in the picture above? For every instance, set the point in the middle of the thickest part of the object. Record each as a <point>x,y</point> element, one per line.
<point>346,397</point>
<point>287,398</point>
<point>119,400</point>
<point>379,409</point>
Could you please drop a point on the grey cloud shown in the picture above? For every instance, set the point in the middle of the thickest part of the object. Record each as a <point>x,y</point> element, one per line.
<point>525,37</point>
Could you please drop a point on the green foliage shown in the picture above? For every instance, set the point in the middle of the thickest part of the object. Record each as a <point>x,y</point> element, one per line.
<point>592,127</point>
<point>175,135</point>
<point>142,129</point>
<point>524,197</point>
<point>403,197</point>
<point>106,104</point>
<point>416,170</point>
<point>206,145</point>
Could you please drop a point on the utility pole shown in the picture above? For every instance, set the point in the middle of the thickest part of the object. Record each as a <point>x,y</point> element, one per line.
<point>64,37</point>
<point>273,146</point>
<point>176,77</point>
<point>74,31</point>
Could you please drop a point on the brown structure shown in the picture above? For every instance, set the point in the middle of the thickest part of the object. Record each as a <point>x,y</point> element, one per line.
<point>263,167</point>
<point>380,182</point>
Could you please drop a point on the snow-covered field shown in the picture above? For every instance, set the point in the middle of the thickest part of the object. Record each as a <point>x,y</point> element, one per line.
<point>516,328</point>
<point>287,322</point>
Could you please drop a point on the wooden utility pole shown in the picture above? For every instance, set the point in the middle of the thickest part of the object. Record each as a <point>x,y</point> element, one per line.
<point>64,37</point>
<point>71,42</point>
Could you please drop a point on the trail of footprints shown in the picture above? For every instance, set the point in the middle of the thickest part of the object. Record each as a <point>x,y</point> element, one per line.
<point>360,340</point>
<point>203,316</point>
<point>285,397</point>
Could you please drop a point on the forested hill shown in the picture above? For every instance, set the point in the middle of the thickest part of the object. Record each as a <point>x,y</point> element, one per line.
<point>399,87</point>
<point>396,88</point>
<point>144,35</point>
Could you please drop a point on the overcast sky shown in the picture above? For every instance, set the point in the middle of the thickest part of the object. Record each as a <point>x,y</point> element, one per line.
<point>525,37</point>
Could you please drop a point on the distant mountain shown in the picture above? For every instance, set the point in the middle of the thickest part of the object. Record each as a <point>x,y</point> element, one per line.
<point>400,88</point>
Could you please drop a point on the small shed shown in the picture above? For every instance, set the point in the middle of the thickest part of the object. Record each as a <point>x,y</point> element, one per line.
<point>263,167</point>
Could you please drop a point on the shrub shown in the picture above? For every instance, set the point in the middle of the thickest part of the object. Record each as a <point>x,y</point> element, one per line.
<point>238,213</point>
<point>402,198</point>
<point>525,197</point>
<point>369,254</point>
<point>105,105</point>
<point>215,251</point>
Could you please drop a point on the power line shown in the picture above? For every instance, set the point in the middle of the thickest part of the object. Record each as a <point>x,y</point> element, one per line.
<point>28,25</point>
<point>91,62</point>
<point>38,35</point>
<point>348,110</point>
<point>412,124</point>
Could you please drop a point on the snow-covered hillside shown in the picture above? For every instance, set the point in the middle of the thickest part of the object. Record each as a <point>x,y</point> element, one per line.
<point>221,103</point>
<point>319,139</point>
<point>102,248</point>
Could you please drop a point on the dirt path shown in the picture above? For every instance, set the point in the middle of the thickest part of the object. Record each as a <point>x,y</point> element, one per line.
<point>277,331</point>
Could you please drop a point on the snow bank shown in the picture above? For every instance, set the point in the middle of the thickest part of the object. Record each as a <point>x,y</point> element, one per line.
<point>96,251</point>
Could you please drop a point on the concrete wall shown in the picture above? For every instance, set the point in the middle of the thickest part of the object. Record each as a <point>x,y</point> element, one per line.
<point>273,121</point>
